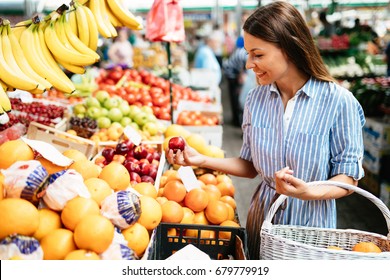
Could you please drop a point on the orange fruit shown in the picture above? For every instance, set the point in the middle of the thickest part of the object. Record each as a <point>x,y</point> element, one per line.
<point>208,178</point>
<point>49,166</point>
<point>18,215</point>
<point>223,178</point>
<point>116,175</point>
<point>216,212</point>
<point>174,190</point>
<point>226,188</point>
<point>227,234</point>
<point>188,217</point>
<point>82,254</point>
<point>48,220</point>
<point>151,213</point>
<point>146,188</point>
<point>173,175</point>
<point>163,181</point>
<point>86,168</point>
<point>77,208</point>
<point>98,188</point>
<point>200,218</point>
<point>229,200</point>
<point>13,151</point>
<point>196,199</point>
<point>137,237</point>
<point>213,192</point>
<point>160,192</point>
<point>57,244</point>
<point>1,186</point>
<point>366,247</point>
<point>94,232</point>
<point>74,154</point>
<point>201,183</point>
<point>161,199</point>
<point>231,214</point>
<point>172,212</point>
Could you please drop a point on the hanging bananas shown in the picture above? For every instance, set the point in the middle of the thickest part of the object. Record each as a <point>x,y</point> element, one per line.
<point>124,15</point>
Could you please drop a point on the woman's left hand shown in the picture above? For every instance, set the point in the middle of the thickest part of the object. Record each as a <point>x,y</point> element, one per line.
<point>289,185</point>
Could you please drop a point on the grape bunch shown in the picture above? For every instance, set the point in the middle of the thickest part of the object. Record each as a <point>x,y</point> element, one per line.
<point>85,127</point>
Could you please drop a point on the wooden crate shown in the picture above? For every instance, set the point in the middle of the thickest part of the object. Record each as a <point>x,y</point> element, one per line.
<point>61,140</point>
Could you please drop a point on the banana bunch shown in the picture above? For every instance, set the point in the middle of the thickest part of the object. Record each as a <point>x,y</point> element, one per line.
<point>110,14</point>
<point>13,70</point>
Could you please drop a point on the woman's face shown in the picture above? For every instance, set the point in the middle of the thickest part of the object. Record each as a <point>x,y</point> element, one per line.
<point>267,61</point>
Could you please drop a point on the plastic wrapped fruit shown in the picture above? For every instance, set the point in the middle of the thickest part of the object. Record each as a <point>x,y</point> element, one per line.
<point>122,208</point>
<point>118,251</point>
<point>24,179</point>
<point>20,247</point>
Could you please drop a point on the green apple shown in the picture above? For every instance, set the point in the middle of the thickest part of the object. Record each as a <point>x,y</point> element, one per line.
<point>111,103</point>
<point>141,118</point>
<point>147,109</point>
<point>151,127</point>
<point>115,114</point>
<point>125,108</point>
<point>134,110</point>
<point>92,102</point>
<point>103,112</point>
<point>93,112</point>
<point>79,109</point>
<point>103,122</point>
<point>134,125</point>
<point>152,118</point>
<point>102,96</point>
<point>125,121</point>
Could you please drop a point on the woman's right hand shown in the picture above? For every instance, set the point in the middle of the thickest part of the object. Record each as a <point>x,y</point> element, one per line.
<point>188,157</point>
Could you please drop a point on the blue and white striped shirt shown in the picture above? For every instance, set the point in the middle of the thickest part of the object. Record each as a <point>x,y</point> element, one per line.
<point>323,138</point>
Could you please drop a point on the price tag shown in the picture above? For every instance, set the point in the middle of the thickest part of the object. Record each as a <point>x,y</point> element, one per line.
<point>49,152</point>
<point>133,135</point>
<point>187,176</point>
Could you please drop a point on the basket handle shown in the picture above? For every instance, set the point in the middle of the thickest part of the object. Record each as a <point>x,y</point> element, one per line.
<point>382,207</point>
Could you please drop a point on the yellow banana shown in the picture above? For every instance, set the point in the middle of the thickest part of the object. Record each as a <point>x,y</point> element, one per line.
<point>106,19</point>
<point>113,19</point>
<point>73,20</point>
<point>124,15</point>
<point>64,84</point>
<point>17,30</point>
<point>22,62</point>
<point>96,9</point>
<point>71,67</point>
<point>82,2</point>
<point>5,103</point>
<point>77,43</point>
<point>12,63</point>
<point>92,27</point>
<point>34,53</point>
<point>60,50</point>
<point>82,24</point>
<point>12,77</point>
<point>3,85</point>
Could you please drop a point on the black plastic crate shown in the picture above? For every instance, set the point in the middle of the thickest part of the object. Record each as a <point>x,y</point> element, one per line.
<point>215,247</point>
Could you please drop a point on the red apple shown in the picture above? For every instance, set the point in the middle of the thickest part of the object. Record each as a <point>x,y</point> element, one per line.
<point>132,166</point>
<point>176,143</point>
<point>145,168</point>
<point>135,177</point>
<point>147,178</point>
<point>140,152</point>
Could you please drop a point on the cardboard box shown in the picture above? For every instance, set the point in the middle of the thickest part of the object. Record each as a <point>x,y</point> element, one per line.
<point>61,140</point>
<point>376,133</point>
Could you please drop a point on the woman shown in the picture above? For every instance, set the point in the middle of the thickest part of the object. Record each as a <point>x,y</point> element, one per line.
<point>299,126</point>
<point>121,51</point>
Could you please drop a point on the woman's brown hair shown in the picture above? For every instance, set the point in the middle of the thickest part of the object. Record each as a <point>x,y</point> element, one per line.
<point>282,24</point>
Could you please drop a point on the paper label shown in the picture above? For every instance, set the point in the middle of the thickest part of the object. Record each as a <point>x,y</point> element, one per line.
<point>188,177</point>
<point>133,135</point>
<point>48,151</point>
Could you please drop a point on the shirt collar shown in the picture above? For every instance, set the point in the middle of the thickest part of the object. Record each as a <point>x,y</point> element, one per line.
<point>305,89</point>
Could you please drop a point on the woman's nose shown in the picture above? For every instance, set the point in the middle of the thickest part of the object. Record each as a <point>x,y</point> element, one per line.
<point>249,64</point>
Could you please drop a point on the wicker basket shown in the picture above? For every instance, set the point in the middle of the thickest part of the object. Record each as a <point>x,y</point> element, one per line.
<point>287,242</point>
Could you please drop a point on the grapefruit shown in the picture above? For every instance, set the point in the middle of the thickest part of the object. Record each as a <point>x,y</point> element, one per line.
<point>13,151</point>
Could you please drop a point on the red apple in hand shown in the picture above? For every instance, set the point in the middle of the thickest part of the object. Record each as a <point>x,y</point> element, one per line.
<point>176,143</point>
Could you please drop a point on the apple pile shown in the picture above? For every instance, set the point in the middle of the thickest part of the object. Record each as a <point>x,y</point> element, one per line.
<point>141,161</point>
<point>107,110</point>
<point>142,88</point>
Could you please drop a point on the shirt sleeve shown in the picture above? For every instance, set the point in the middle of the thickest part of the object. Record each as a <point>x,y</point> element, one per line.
<point>245,152</point>
<point>346,139</point>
